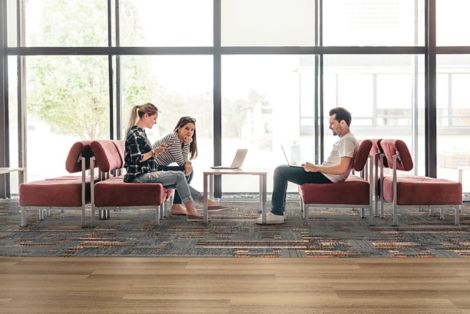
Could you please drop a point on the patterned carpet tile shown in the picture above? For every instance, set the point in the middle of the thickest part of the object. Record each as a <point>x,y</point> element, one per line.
<point>329,233</point>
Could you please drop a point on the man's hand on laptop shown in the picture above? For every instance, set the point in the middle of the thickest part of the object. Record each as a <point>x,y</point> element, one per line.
<point>309,167</point>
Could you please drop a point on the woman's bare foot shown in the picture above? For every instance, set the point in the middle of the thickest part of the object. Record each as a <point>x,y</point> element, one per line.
<point>178,209</point>
<point>191,211</point>
<point>213,205</point>
<point>209,202</point>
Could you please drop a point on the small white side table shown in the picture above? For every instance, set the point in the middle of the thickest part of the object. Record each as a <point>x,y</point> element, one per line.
<point>21,173</point>
<point>209,186</point>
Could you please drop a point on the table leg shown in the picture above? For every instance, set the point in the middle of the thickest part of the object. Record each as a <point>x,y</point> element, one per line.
<point>21,177</point>
<point>206,196</point>
<point>211,186</point>
<point>262,196</point>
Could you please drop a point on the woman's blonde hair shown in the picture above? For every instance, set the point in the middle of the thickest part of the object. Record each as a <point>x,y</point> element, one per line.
<point>138,111</point>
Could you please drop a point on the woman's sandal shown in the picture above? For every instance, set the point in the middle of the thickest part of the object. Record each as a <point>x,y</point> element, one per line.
<point>178,214</point>
<point>178,210</point>
<point>217,207</point>
<point>194,217</point>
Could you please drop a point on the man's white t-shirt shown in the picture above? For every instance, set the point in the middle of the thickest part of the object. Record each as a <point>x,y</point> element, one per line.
<point>346,146</point>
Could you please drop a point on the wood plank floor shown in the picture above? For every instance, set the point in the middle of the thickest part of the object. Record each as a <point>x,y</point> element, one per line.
<point>254,285</point>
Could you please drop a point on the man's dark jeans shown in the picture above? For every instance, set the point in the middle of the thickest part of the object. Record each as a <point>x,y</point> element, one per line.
<point>177,199</point>
<point>284,174</point>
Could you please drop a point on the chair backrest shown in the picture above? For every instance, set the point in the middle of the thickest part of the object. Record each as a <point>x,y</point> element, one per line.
<point>361,155</point>
<point>120,146</point>
<point>376,149</point>
<point>108,154</point>
<point>394,147</point>
<point>73,163</point>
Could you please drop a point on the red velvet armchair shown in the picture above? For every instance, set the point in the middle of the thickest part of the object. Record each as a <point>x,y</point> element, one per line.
<point>113,193</point>
<point>354,192</point>
<point>67,192</point>
<point>406,192</point>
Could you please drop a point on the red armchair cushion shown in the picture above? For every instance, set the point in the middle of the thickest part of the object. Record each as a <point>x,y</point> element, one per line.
<point>116,192</point>
<point>68,178</point>
<point>353,191</point>
<point>423,191</point>
<point>54,193</point>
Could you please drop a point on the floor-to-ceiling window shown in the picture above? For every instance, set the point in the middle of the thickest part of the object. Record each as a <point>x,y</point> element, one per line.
<point>75,68</point>
<point>66,101</point>
<point>382,92</point>
<point>163,23</point>
<point>179,86</point>
<point>265,95</point>
<point>66,97</point>
<point>263,110</point>
<point>453,117</point>
<point>453,93</point>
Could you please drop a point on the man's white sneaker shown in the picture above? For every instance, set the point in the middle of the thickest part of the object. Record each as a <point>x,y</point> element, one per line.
<point>271,219</point>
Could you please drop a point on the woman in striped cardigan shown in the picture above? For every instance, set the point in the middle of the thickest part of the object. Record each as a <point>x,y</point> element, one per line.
<point>182,148</point>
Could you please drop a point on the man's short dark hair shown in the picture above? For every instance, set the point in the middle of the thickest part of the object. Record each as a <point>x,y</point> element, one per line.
<point>341,114</point>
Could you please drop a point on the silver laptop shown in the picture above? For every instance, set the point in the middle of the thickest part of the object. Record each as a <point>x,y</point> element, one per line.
<point>237,160</point>
<point>287,159</point>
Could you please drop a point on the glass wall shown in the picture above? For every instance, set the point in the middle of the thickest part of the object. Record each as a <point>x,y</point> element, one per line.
<point>268,23</point>
<point>451,20</point>
<point>178,86</point>
<point>13,121</point>
<point>166,23</point>
<point>65,23</point>
<point>373,23</point>
<point>385,94</point>
<point>452,92</point>
<point>274,78</point>
<point>11,23</point>
<point>453,117</point>
<point>67,100</point>
<point>268,108</point>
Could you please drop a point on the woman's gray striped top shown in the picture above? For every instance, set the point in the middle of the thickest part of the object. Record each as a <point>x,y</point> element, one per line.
<point>174,153</point>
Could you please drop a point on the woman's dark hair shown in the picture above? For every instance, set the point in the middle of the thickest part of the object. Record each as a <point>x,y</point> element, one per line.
<point>193,146</point>
<point>341,114</point>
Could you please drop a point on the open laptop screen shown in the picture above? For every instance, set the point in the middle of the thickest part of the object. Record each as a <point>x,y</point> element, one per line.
<point>237,160</point>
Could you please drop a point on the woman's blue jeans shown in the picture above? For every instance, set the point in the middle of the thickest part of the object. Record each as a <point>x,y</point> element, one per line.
<point>173,180</point>
<point>177,198</point>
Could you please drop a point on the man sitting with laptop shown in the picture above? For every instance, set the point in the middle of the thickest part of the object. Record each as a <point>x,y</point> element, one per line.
<point>335,168</point>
